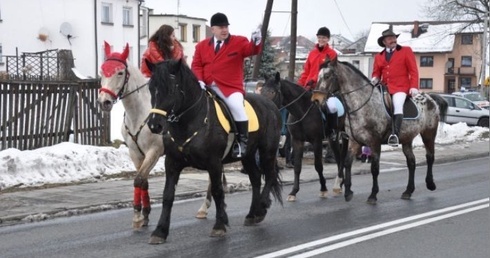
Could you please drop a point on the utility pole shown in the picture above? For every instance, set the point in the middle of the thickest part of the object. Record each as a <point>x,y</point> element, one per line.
<point>292,51</point>
<point>265,27</point>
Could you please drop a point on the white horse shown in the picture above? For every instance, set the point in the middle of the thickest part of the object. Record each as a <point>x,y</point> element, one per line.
<point>122,81</point>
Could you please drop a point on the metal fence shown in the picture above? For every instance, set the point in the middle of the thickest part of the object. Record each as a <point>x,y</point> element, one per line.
<point>49,65</point>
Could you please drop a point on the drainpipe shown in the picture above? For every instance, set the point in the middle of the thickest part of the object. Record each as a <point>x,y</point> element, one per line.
<point>96,40</point>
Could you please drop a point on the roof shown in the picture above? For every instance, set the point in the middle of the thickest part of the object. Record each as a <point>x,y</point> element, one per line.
<point>433,36</point>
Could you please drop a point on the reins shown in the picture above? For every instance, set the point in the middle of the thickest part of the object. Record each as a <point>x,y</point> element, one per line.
<point>303,117</point>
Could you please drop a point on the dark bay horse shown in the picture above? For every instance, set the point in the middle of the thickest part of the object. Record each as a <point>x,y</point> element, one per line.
<point>305,124</point>
<point>122,81</point>
<point>196,138</point>
<point>368,123</point>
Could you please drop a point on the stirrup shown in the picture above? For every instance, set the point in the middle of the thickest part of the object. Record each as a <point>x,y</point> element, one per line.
<point>393,140</point>
<point>238,155</point>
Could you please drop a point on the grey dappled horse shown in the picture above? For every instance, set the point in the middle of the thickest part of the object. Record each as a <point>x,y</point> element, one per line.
<point>368,123</point>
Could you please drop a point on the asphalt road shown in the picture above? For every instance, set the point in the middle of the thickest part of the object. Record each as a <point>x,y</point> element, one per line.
<point>444,223</point>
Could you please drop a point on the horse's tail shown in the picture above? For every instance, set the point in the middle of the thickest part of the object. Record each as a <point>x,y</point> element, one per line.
<point>442,103</point>
<point>276,188</point>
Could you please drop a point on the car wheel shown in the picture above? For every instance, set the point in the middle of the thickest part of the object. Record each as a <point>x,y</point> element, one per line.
<point>483,122</point>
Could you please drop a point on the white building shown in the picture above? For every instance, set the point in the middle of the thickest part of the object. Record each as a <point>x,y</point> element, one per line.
<point>81,26</point>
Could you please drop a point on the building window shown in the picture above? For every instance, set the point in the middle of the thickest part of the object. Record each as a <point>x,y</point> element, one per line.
<point>356,63</point>
<point>466,39</point>
<point>127,16</point>
<point>196,33</point>
<point>425,83</point>
<point>466,61</point>
<point>426,61</point>
<point>183,32</point>
<point>106,15</point>
<point>465,82</point>
<point>143,23</point>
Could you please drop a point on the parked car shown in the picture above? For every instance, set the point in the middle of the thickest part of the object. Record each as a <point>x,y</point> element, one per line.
<point>463,110</point>
<point>475,97</point>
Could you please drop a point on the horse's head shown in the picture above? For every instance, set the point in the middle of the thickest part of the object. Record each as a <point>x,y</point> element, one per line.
<point>114,77</point>
<point>328,81</point>
<point>272,89</point>
<point>173,88</point>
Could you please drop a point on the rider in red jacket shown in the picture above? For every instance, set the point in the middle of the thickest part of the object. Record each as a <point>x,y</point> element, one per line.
<point>162,43</point>
<point>309,77</point>
<point>218,63</point>
<point>396,67</point>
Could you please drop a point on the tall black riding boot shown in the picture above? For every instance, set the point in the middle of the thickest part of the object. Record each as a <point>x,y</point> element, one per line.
<point>239,150</point>
<point>393,140</point>
<point>332,126</point>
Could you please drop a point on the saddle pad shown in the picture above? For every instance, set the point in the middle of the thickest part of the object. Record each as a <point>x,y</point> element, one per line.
<point>253,121</point>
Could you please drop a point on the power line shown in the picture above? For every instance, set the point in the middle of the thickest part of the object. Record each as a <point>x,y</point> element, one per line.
<point>343,19</point>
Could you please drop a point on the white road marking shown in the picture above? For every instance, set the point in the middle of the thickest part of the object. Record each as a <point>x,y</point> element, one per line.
<point>462,209</point>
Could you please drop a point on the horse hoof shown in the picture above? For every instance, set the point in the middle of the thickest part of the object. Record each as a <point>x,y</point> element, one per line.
<point>249,222</point>
<point>431,186</point>
<point>348,197</point>
<point>155,240</point>
<point>371,201</point>
<point>217,233</point>
<point>291,198</point>
<point>259,219</point>
<point>145,222</point>
<point>406,196</point>
<point>138,221</point>
<point>337,190</point>
<point>323,194</point>
<point>201,215</point>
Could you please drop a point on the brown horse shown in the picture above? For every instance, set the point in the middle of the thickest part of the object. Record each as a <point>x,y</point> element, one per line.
<point>368,123</point>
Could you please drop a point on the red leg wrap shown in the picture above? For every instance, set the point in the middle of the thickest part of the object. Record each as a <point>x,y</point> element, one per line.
<point>145,197</point>
<point>137,196</point>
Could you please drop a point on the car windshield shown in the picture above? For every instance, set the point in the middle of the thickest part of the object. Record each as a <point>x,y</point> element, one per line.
<point>474,97</point>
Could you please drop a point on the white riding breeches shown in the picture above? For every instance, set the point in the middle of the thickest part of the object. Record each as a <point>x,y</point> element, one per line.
<point>235,103</point>
<point>398,101</point>
<point>332,106</point>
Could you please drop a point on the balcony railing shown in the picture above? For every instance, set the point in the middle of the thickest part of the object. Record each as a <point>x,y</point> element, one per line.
<point>461,71</point>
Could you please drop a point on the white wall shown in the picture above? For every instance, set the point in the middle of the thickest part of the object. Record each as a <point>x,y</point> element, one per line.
<point>22,20</point>
<point>365,62</point>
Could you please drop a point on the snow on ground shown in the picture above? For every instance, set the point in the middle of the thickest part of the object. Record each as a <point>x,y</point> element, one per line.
<point>69,163</point>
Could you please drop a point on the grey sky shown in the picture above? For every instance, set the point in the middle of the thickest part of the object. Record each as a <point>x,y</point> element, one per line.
<point>346,17</point>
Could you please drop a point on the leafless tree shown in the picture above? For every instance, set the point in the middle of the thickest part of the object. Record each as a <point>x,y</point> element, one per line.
<point>474,11</point>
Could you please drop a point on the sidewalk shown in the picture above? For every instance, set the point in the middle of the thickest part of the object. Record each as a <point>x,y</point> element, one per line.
<point>41,204</point>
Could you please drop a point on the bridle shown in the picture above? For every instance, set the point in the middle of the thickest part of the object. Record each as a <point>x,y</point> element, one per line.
<point>291,103</point>
<point>120,95</point>
<point>171,116</point>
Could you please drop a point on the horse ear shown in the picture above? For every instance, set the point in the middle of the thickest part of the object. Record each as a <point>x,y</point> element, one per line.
<point>334,61</point>
<point>107,48</point>
<point>125,53</point>
<point>150,65</point>
<point>278,77</point>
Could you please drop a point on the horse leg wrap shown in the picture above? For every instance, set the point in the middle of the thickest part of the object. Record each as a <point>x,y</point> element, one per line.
<point>137,197</point>
<point>145,198</point>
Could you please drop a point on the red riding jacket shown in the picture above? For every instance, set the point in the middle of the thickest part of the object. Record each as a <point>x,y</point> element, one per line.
<point>313,62</point>
<point>225,68</point>
<point>400,73</point>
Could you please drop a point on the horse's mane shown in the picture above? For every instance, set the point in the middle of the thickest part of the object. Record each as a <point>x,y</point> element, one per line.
<point>349,65</point>
<point>184,76</point>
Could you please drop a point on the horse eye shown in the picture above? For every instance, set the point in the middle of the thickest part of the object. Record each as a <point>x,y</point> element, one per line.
<point>120,73</point>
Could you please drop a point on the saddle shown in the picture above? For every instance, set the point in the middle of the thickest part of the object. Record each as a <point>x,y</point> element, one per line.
<point>410,109</point>
<point>226,120</point>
